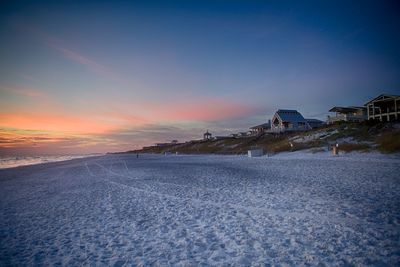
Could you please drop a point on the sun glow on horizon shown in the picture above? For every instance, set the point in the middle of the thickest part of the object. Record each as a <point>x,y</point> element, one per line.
<point>41,130</point>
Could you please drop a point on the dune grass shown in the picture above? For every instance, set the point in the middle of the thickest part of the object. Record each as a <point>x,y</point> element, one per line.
<point>367,134</point>
<point>349,147</point>
<point>389,142</point>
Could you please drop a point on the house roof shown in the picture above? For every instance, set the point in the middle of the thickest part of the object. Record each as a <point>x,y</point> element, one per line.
<point>382,97</point>
<point>264,125</point>
<point>346,109</point>
<point>289,115</point>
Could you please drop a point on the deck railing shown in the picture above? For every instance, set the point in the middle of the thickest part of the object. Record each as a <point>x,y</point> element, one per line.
<point>346,117</point>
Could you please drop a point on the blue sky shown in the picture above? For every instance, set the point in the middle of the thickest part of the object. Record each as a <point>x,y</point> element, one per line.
<point>132,73</point>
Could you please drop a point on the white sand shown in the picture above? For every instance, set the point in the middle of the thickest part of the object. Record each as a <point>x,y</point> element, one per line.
<point>292,209</point>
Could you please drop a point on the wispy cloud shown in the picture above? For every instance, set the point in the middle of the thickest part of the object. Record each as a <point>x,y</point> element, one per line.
<point>29,78</point>
<point>14,138</point>
<point>83,60</point>
<point>23,91</point>
<point>77,57</point>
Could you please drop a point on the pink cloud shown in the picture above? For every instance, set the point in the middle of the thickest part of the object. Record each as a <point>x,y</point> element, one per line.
<point>124,118</point>
<point>111,131</point>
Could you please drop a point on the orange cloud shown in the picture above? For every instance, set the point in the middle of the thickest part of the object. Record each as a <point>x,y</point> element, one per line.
<point>101,122</point>
<point>57,123</point>
<point>15,138</point>
<point>114,128</point>
<point>17,142</point>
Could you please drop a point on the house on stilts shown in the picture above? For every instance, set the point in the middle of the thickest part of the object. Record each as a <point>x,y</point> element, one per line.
<point>384,108</point>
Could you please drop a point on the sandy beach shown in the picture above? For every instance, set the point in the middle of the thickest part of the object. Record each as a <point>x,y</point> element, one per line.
<point>178,210</point>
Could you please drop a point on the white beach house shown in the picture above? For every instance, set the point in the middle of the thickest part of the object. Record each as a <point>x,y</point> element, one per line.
<point>350,114</point>
<point>285,120</point>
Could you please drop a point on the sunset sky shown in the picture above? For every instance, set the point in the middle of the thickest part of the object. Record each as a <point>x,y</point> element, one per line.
<point>108,76</point>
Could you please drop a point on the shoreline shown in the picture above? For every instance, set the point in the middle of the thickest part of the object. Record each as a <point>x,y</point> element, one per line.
<point>285,155</point>
<point>13,161</point>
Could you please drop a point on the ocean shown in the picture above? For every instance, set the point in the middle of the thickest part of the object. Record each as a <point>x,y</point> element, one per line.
<point>15,161</point>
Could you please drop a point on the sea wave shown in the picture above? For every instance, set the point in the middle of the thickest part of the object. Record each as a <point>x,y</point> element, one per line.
<point>15,161</point>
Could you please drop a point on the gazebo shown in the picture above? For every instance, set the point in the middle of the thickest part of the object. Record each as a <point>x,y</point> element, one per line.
<point>207,136</point>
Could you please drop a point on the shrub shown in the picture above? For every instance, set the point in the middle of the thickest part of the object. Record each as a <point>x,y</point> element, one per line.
<point>348,147</point>
<point>282,146</point>
<point>389,142</point>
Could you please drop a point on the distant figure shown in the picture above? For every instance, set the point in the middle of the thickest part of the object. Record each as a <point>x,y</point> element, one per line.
<point>137,155</point>
<point>335,150</point>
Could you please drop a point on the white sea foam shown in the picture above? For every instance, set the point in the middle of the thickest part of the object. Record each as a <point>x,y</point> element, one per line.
<point>15,161</point>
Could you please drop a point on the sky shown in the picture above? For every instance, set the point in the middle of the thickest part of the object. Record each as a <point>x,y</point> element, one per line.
<point>104,76</point>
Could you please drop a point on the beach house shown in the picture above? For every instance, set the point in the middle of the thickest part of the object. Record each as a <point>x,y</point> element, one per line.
<point>350,114</point>
<point>286,120</point>
<point>384,108</point>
